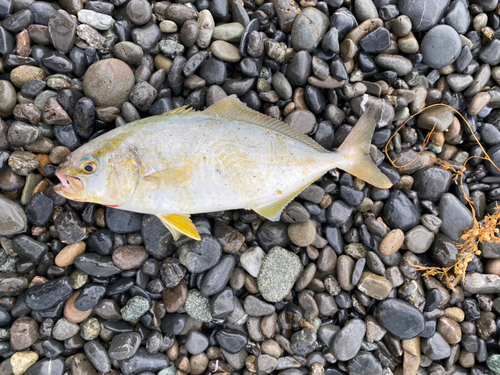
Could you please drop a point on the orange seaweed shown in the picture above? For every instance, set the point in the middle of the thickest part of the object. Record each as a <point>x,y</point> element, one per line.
<point>481,231</point>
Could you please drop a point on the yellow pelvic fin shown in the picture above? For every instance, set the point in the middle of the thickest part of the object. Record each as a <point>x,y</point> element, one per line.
<point>180,224</point>
<point>354,154</point>
<point>169,177</point>
<point>272,211</point>
<point>231,108</point>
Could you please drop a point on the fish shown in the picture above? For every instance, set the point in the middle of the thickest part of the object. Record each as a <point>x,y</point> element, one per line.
<point>226,157</point>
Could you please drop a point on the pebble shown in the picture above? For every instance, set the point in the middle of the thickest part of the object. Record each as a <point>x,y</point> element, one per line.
<point>23,333</point>
<point>108,82</point>
<point>441,46</point>
<point>425,14</point>
<point>455,216</point>
<point>308,28</point>
<point>124,346</point>
<point>399,212</point>
<point>13,220</point>
<point>22,360</point>
<point>399,318</point>
<point>347,342</point>
<point>280,269</point>
<point>392,242</point>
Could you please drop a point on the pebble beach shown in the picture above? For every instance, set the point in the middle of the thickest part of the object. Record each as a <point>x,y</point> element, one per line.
<point>337,285</point>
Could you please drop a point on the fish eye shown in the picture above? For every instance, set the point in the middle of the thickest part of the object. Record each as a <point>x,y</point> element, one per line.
<point>89,167</point>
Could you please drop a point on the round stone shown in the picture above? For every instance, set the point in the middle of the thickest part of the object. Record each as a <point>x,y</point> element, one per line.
<point>108,82</point>
<point>308,29</point>
<point>21,361</point>
<point>440,46</point>
<point>302,234</point>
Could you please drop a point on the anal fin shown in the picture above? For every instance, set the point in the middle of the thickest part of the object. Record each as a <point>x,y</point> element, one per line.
<point>272,211</point>
<point>180,224</point>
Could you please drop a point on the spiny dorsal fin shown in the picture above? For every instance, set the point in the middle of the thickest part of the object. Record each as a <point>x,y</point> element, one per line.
<point>232,109</point>
<point>179,111</point>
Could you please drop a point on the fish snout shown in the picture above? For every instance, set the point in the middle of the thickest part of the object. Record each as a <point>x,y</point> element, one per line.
<point>70,186</point>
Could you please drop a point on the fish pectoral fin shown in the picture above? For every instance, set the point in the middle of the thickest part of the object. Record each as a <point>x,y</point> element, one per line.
<point>169,177</point>
<point>180,224</point>
<point>272,211</point>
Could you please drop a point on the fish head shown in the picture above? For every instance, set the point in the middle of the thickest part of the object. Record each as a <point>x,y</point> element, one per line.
<point>99,172</point>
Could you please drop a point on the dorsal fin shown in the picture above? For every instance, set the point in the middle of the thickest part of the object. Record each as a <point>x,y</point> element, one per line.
<point>232,109</point>
<point>179,111</point>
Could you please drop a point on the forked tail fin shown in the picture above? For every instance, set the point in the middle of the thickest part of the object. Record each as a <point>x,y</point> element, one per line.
<point>354,153</point>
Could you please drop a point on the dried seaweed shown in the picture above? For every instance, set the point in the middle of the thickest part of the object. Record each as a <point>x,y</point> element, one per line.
<point>481,231</point>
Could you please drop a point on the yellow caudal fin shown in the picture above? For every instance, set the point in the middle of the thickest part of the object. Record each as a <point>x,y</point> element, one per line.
<point>354,154</point>
<point>180,224</point>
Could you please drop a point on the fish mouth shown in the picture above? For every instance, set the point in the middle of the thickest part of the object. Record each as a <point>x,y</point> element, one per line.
<point>69,187</point>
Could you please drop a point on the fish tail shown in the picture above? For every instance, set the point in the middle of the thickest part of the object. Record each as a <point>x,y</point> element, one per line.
<point>353,156</point>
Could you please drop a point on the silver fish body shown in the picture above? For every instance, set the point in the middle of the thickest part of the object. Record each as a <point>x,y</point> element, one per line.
<point>226,157</point>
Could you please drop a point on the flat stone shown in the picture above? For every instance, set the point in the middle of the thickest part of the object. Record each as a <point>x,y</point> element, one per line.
<point>440,46</point>
<point>399,318</point>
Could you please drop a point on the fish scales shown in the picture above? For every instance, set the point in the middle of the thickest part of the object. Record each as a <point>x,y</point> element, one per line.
<point>226,157</point>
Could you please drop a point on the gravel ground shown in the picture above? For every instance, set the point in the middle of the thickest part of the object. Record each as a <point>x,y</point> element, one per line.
<point>331,288</point>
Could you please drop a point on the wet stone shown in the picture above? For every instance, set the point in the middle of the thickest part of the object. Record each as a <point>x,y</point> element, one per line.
<point>199,256</point>
<point>400,212</point>
<point>425,14</point>
<point>96,265</point>
<point>23,333</point>
<point>198,306</point>
<point>48,295</point>
<point>400,318</point>
<point>135,308</point>
<point>231,340</point>
<point>124,345</point>
<point>143,361</point>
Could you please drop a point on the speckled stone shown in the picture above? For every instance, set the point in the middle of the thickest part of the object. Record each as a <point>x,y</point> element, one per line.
<point>198,306</point>
<point>279,271</point>
<point>135,308</point>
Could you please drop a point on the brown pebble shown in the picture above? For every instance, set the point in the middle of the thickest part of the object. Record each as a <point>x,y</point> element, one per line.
<point>271,348</point>
<point>437,139</point>
<point>71,313</point>
<point>345,267</point>
<point>182,363</point>
<point>129,257</point>
<point>100,217</point>
<point>23,333</point>
<point>392,242</point>
<point>268,325</point>
<point>251,284</point>
<point>455,313</point>
<point>450,330</point>
<point>213,352</point>
<point>174,298</point>
<point>54,114</point>
<point>25,73</point>
<point>68,254</point>
<point>43,160</point>
<point>23,47</point>
<point>42,187</point>
<point>478,102</point>
<point>21,361</point>
<point>492,266</point>
<point>466,359</point>
<point>198,363</point>
<point>453,130</point>
<point>299,99</point>
<point>237,280</point>
<point>173,351</point>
